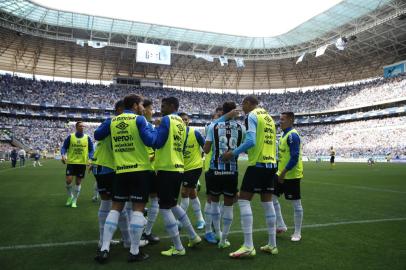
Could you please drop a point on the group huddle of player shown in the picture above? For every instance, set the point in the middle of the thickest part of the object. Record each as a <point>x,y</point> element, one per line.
<point>136,160</point>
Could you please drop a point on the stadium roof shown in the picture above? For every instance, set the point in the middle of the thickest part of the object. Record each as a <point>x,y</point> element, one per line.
<point>330,20</point>
<point>259,18</point>
<point>31,44</point>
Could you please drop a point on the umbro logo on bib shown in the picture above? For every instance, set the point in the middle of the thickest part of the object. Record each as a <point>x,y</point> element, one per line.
<point>122,126</point>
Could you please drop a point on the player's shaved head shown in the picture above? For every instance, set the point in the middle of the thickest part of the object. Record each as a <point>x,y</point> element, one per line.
<point>169,105</point>
<point>251,99</point>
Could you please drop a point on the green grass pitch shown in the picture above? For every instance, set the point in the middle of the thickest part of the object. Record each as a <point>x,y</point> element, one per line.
<point>354,217</point>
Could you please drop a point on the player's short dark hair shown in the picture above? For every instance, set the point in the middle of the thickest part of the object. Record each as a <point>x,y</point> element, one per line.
<point>183,114</point>
<point>251,99</point>
<point>290,115</point>
<point>171,101</point>
<point>147,102</point>
<point>130,100</point>
<point>119,104</point>
<point>228,106</point>
<point>78,123</point>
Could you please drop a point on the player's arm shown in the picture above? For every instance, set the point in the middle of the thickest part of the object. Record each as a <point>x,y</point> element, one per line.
<point>250,139</point>
<point>103,130</point>
<point>146,131</point>
<point>199,138</point>
<point>64,149</point>
<point>294,146</point>
<point>209,139</point>
<point>90,147</point>
<point>162,133</point>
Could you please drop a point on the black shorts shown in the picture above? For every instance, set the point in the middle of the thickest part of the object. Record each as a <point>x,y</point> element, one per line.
<point>190,178</point>
<point>77,170</point>
<point>207,180</point>
<point>332,159</point>
<point>133,186</point>
<point>258,180</point>
<point>169,187</point>
<point>153,189</point>
<point>289,187</point>
<point>223,182</point>
<point>105,183</point>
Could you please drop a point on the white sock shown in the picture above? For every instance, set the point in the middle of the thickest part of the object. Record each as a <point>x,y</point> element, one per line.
<point>152,215</point>
<point>246,222</point>
<point>280,223</point>
<point>138,222</point>
<point>227,221</point>
<point>298,215</point>
<point>270,218</point>
<point>221,204</point>
<point>76,192</point>
<point>184,203</point>
<point>110,228</point>
<point>197,208</point>
<point>181,215</point>
<point>123,226</point>
<point>215,212</point>
<point>171,227</point>
<point>128,207</point>
<point>69,189</point>
<point>104,209</point>
<point>208,217</point>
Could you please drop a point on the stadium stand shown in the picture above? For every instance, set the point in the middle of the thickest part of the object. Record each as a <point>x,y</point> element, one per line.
<point>27,121</point>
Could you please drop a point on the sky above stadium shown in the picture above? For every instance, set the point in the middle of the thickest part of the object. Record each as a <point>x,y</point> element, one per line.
<point>254,18</point>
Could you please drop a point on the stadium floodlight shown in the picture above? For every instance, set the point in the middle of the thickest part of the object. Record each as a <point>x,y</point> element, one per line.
<point>341,43</point>
<point>97,44</point>
<point>320,51</point>
<point>223,60</point>
<point>300,59</point>
<point>205,57</point>
<point>239,61</point>
<point>80,42</point>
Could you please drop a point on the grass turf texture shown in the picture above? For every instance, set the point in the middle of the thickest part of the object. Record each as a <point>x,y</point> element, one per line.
<point>33,212</point>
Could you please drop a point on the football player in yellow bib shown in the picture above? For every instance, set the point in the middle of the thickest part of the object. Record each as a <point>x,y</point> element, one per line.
<point>290,172</point>
<point>169,164</point>
<point>193,169</point>
<point>103,170</point>
<point>260,144</point>
<point>76,152</point>
<point>130,135</point>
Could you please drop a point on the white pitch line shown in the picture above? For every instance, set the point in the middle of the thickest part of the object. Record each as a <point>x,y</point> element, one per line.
<point>82,243</point>
<point>357,187</point>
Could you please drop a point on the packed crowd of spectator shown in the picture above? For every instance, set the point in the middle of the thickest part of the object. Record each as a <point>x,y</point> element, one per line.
<point>350,139</point>
<point>17,89</point>
<point>360,138</point>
